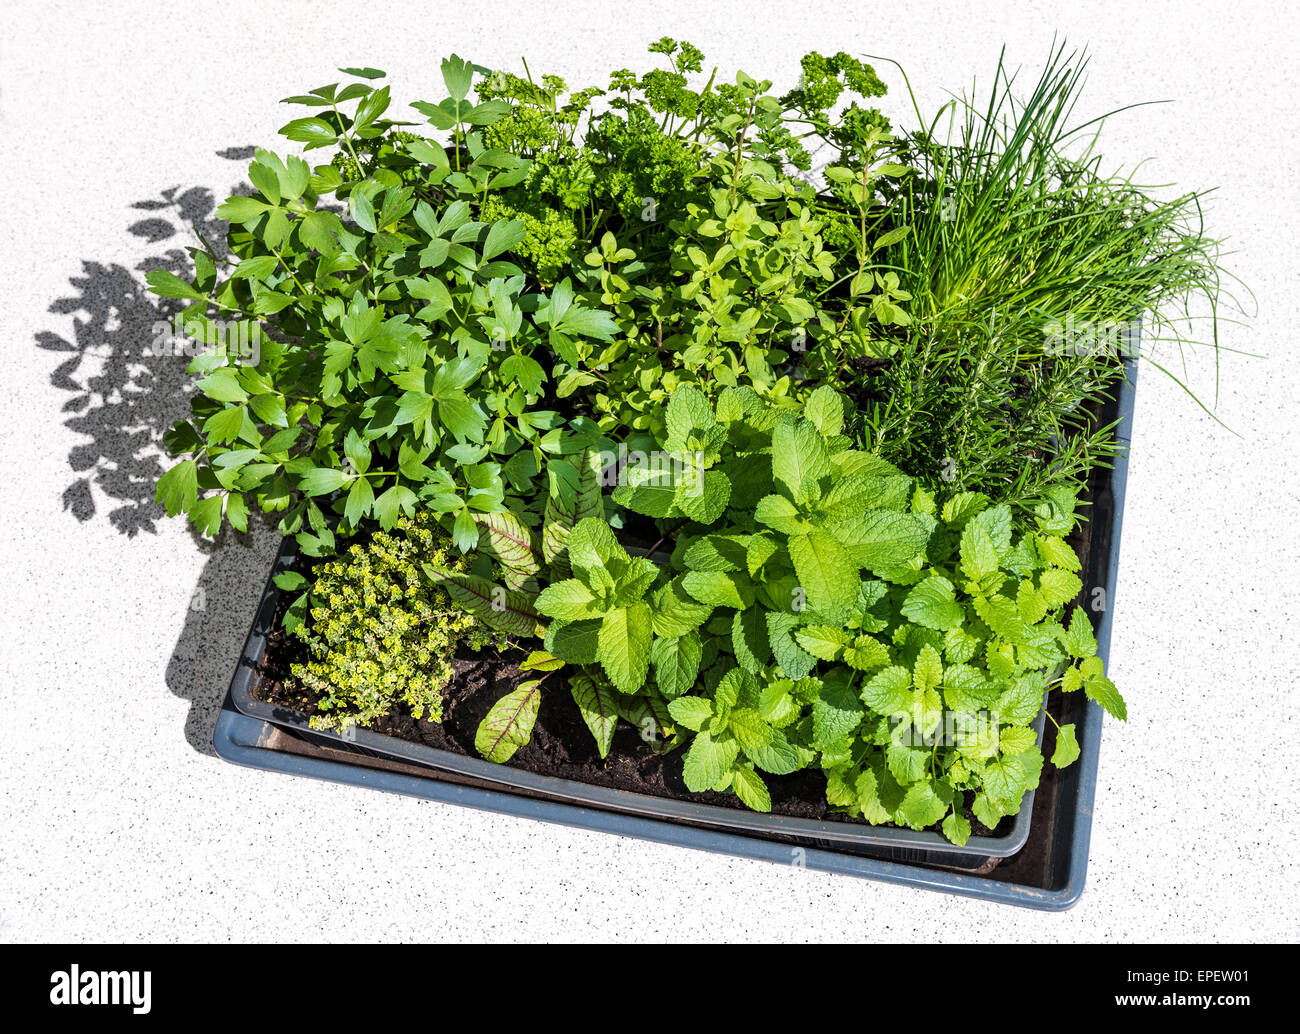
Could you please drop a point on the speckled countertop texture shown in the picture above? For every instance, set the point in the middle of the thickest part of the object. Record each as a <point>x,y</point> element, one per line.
<point>120,631</point>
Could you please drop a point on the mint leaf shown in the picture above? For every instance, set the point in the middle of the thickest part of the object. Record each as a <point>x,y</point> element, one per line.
<point>825,409</point>
<point>879,795</point>
<point>747,725</point>
<point>751,789</point>
<point>987,810</point>
<point>674,613</point>
<point>1067,747</point>
<point>932,603</point>
<point>719,588</point>
<point>676,663</point>
<point>625,646</point>
<point>967,689</point>
<point>799,459</point>
<point>704,496</point>
<point>794,661</point>
<point>692,712</point>
<point>1057,552</point>
<point>749,639</point>
<point>1023,699</point>
<point>708,760</point>
<point>827,573</point>
<point>576,642</point>
<point>717,553</point>
<point>779,514</point>
<point>688,412</point>
<point>569,600</point>
<point>881,539</point>
<point>996,523</point>
<point>592,544</point>
<point>571,500</point>
<point>1016,739</point>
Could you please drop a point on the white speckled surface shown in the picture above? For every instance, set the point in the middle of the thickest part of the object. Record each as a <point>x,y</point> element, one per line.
<point>119,822</point>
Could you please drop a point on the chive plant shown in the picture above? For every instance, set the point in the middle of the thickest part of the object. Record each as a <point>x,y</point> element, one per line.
<point>1023,262</point>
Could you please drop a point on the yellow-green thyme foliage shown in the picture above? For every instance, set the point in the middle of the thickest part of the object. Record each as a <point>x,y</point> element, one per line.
<point>379,633</point>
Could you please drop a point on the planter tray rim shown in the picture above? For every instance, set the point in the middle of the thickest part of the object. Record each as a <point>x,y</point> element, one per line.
<point>242,740</point>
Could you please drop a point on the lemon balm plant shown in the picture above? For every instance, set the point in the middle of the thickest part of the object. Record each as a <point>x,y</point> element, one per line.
<point>819,610</point>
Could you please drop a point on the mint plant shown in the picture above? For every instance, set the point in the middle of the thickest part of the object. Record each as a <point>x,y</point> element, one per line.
<point>818,609</point>
<point>601,613</point>
<point>903,647</point>
<point>595,594</point>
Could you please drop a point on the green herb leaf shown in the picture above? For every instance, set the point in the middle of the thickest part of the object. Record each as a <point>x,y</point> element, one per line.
<point>598,706</point>
<point>1067,747</point>
<point>509,724</point>
<point>708,760</point>
<point>932,603</point>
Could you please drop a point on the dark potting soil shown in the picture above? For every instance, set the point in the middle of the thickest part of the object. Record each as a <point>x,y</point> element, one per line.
<point>561,743</point>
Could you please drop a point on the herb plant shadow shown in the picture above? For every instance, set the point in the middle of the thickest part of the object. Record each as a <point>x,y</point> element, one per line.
<point>216,625</point>
<point>122,398</point>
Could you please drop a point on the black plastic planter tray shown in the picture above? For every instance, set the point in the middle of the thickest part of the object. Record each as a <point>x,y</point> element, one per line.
<point>881,841</point>
<point>1047,875</point>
